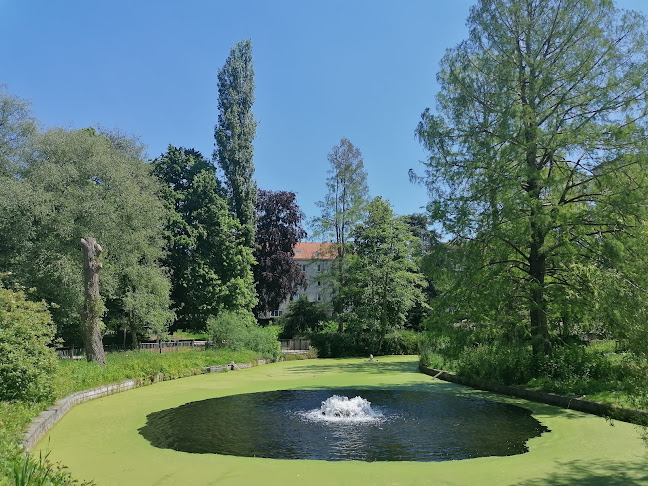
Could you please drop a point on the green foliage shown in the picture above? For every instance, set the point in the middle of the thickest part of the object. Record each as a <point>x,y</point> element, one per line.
<point>383,280</point>
<point>339,345</point>
<point>77,184</point>
<point>234,134</point>
<point>147,365</point>
<point>181,334</point>
<point>31,471</point>
<point>575,362</point>
<point>401,342</point>
<point>427,357</point>
<point>145,304</point>
<point>537,166</point>
<point>302,317</point>
<point>497,363</point>
<point>14,418</point>
<point>210,266</point>
<point>344,206</point>
<point>347,195</point>
<point>17,126</point>
<point>238,330</point>
<point>27,363</point>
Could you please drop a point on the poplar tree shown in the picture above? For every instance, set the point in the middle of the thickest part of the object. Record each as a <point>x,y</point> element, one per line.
<point>234,133</point>
<point>538,159</point>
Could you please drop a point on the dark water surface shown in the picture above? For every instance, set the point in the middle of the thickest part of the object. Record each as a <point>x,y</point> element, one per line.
<point>415,426</point>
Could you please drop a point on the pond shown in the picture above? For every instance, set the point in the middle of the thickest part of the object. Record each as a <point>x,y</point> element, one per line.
<point>384,425</point>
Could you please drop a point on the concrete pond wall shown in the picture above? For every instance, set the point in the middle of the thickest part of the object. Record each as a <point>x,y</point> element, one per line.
<point>47,418</point>
<point>579,404</point>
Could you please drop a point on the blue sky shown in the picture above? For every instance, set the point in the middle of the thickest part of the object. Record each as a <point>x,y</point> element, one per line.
<point>360,69</point>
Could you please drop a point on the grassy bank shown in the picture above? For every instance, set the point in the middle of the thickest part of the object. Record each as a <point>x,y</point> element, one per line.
<point>72,376</point>
<point>598,371</point>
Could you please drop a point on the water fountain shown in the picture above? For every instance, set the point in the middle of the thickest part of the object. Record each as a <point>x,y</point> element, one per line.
<point>342,409</point>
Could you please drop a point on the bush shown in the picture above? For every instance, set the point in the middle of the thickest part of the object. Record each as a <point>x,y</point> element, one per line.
<point>27,363</point>
<point>335,345</point>
<point>401,342</point>
<point>497,363</point>
<point>302,317</point>
<point>238,331</point>
<point>575,362</point>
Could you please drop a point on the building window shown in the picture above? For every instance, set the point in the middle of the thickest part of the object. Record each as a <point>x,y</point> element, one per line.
<point>296,297</point>
<point>319,267</point>
<point>319,297</point>
<point>303,268</point>
<point>276,313</point>
<point>319,283</point>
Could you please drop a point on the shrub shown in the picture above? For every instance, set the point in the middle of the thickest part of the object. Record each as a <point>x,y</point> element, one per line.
<point>27,363</point>
<point>238,331</point>
<point>401,342</point>
<point>575,362</point>
<point>302,317</point>
<point>507,364</point>
<point>335,345</point>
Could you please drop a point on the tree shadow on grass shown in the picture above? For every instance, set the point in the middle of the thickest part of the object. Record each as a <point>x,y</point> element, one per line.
<point>595,473</point>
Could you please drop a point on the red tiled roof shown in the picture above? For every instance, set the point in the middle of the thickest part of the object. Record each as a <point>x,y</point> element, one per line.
<point>313,250</point>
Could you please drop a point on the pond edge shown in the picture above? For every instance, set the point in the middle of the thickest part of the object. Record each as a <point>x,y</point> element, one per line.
<point>47,418</point>
<point>606,410</point>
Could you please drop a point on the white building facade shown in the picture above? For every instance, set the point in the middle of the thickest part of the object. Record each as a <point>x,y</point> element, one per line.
<point>315,260</point>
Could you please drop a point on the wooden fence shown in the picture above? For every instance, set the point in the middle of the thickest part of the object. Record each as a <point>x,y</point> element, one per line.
<point>287,346</point>
<point>156,347</point>
<point>294,345</point>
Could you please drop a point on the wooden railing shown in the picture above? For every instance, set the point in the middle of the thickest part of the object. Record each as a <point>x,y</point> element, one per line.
<point>156,347</point>
<point>294,345</point>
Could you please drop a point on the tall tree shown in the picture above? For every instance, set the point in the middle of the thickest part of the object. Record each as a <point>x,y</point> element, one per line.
<point>234,133</point>
<point>80,184</point>
<point>345,203</point>
<point>279,228</point>
<point>538,152</point>
<point>423,252</point>
<point>17,126</point>
<point>384,281</point>
<point>344,206</point>
<point>210,266</point>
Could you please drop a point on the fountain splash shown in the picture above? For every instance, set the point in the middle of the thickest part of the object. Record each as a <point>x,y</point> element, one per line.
<point>342,409</point>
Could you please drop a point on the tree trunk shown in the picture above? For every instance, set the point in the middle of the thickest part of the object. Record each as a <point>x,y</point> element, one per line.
<point>133,330</point>
<point>338,302</point>
<point>92,308</point>
<point>538,305</point>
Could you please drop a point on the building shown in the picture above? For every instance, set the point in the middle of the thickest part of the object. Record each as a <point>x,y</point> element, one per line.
<point>314,259</point>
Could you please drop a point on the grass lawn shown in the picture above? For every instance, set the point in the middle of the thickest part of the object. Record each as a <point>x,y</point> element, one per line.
<point>99,439</point>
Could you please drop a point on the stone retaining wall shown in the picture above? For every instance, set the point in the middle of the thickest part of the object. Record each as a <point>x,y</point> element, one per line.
<point>47,418</point>
<point>579,404</point>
